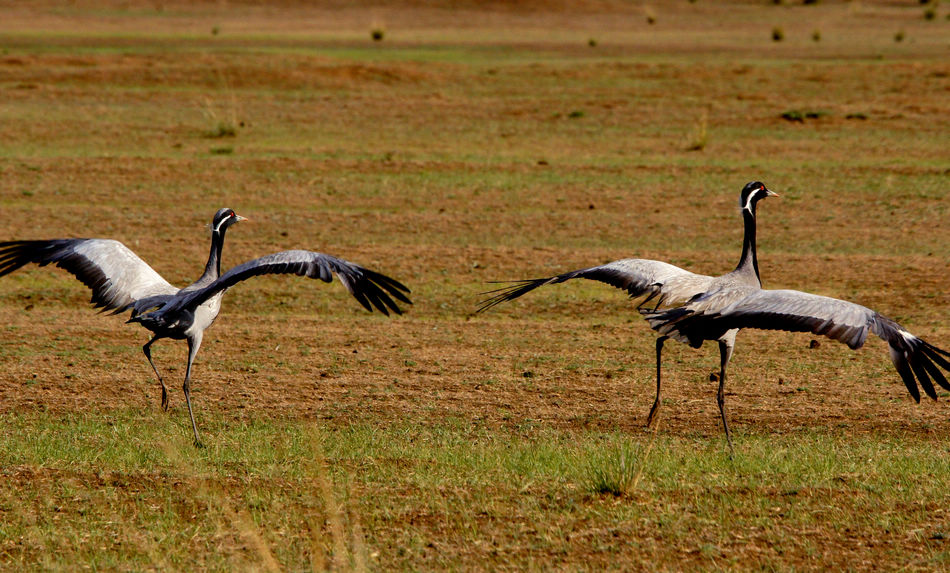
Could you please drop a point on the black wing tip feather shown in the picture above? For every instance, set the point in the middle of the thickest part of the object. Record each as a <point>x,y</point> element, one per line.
<point>378,298</point>
<point>15,254</point>
<point>376,290</point>
<point>389,284</point>
<point>361,298</point>
<point>920,371</point>
<point>907,375</point>
<point>918,361</point>
<point>934,351</point>
<point>514,290</point>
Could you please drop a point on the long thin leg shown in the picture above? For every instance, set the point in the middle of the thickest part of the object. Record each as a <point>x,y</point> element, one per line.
<point>725,353</point>
<point>147,349</point>
<point>193,345</point>
<point>656,403</point>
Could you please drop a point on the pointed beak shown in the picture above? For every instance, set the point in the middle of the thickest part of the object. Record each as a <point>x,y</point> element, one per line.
<point>770,193</point>
<point>239,218</point>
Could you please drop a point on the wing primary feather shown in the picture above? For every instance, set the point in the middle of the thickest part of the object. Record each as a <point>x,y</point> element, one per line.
<point>907,375</point>
<point>934,372</point>
<point>391,285</point>
<point>115,274</point>
<point>367,287</point>
<point>511,292</point>
<point>935,353</point>
<point>375,295</point>
<point>361,298</point>
<point>385,299</point>
<point>379,286</point>
<point>921,372</point>
<point>935,349</point>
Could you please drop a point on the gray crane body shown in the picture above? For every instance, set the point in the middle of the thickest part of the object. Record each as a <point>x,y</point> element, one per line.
<point>692,309</point>
<point>121,281</point>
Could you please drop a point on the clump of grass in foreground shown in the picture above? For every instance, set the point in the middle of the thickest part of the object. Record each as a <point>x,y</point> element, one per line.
<point>614,470</point>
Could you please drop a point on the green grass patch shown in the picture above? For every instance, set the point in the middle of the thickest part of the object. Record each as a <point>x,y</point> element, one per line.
<point>512,147</point>
<point>130,485</point>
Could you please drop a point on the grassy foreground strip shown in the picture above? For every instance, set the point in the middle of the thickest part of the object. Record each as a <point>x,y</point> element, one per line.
<point>111,491</point>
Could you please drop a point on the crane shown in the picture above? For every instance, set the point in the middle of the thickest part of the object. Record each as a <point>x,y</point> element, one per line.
<point>693,308</point>
<point>121,281</point>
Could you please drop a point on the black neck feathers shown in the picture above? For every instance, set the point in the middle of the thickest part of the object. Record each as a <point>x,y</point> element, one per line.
<point>748,261</point>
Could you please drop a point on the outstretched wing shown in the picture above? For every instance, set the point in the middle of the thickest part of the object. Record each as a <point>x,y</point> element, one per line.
<point>847,322</point>
<point>370,288</point>
<point>116,275</point>
<point>639,277</point>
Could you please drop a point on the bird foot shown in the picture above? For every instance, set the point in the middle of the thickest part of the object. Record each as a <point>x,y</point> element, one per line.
<point>198,444</point>
<point>164,400</point>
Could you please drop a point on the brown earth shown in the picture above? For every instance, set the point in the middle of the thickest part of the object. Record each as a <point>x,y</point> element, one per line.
<point>112,135</point>
<point>581,363</point>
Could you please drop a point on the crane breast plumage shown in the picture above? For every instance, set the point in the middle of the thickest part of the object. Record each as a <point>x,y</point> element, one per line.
<point>116,275</point>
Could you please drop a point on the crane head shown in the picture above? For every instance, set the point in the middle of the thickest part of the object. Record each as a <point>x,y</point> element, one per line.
<point>224,218</point>
<point>752,193</point>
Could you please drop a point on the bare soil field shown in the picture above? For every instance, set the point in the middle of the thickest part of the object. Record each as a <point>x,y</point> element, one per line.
<point>478,142</point>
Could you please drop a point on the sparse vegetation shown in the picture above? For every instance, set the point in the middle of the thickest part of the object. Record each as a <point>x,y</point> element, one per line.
<point>614,470</point>
<point>273,494</point>
<point>801,115</point>
<point>223,129</point>
<point>700,137</point>
<point>224,119</point>
<point>442,440</point>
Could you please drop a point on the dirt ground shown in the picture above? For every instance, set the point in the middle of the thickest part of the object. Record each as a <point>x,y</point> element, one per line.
<point>584,363</point>
<point>447,174</point>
